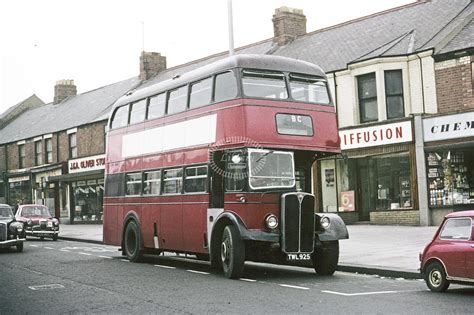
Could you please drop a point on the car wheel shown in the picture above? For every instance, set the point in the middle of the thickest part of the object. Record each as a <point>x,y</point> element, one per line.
<point>132,242</point>
<point>232,252</point>
<point>326,258</point>
<point>19,247</point>
<point>55,237</point>
<point>435,277</point>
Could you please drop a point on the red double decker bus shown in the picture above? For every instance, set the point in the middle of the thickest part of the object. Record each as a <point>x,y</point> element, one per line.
<point>217,162</point>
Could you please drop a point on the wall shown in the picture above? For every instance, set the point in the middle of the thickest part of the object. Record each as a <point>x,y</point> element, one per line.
<point>392,217</point>
<point>454,84</point>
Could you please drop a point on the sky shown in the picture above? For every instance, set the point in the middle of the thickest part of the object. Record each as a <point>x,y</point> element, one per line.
<point>99,42</point>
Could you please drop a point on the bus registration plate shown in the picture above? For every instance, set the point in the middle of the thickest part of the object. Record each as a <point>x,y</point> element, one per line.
<point>297,257</point>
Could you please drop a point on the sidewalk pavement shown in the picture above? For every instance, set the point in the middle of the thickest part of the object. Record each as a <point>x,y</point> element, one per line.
<point>390,251</point>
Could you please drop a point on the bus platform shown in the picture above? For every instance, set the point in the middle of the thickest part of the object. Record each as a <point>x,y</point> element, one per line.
<point>384,250</point>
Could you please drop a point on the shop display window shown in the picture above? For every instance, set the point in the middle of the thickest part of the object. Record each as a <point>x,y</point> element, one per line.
<point>450,178</point>
<point>88,197</point>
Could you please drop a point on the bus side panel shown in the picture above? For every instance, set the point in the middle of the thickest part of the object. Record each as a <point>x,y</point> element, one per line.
<point>194,222</point>
<point>149,217</point>
<point>111,226</point>
<point>171,217</point>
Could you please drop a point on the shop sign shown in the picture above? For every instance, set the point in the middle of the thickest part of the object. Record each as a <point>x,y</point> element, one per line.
<point>376,135</point>
<point>18,179</point>
<point>448,127</point>
<point>347,201</point>
<point>90,163</point>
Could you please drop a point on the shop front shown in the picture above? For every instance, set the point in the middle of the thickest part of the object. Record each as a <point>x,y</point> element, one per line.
<point>449,152</point>
<point>84,186</point>
<point>19,189</point>
<point>46,192</point>
<point>374,177</point>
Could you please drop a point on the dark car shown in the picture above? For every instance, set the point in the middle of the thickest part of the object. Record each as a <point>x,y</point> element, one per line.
<point>11,231</point>
<point>38,221</point>
<point>449,258</point>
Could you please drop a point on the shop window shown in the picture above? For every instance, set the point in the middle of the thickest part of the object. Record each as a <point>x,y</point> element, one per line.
<point>49,150</point>
<point>195,179</point>
<point>152,183</point>
<point>88,200</point>
<point>225,87</point>
<point>157,106</point>
<point>138,111</point>
<point>367,93</point>
<point>177,99</point>
<point>451,178</point>
<point>72,145</point>
<point>38,153</point>
<point>21,156</point>
<point>172,181</point>
<point>201,93</point>
<point>134,184</point>
<point>394,94</point>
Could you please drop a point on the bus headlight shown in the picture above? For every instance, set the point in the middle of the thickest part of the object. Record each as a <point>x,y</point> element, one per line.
<point>271,221</point>
<point>325,222</point>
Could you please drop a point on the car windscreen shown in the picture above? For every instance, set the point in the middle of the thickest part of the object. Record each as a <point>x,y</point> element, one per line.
<point>35,211</point>
<point>6,212</point>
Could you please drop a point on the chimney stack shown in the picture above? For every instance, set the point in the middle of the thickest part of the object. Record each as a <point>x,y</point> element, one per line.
<point>64,89</point>
<point>151,63</point>
<point>288,23</point>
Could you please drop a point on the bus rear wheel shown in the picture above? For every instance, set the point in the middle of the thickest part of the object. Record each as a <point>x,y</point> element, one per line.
<point>326,257</point>
<point>132,242</point>
<point>232,253</point>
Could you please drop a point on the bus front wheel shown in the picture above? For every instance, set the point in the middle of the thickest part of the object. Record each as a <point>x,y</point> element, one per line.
<point>132,242</point>
<point>326,257</point>
<point>232,252</point>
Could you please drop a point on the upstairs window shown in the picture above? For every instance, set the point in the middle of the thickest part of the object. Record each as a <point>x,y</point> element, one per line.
<point>72,145</point>
<point>38,153</point>
<point>177,99</point>
<point>120,118</point>
<point>157,106</point>
<point>265,84</point>
<point>49,150</point>
<point>225,87</point>
<point>201,93</point>
<point>21,155</point>
<point>367,92</point>
<point>394,94</point>
<point>138,112</point>
<point>309,89</point>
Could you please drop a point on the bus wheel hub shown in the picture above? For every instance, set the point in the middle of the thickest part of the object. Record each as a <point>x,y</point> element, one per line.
<point>224,252</point>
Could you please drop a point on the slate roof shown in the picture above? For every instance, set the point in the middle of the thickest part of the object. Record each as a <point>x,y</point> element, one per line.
<point>399,31</point>
<point>72,112</point>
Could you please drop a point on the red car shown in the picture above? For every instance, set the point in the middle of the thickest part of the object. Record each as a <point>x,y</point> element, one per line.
<point>38,221</point>
<point>449,258</point>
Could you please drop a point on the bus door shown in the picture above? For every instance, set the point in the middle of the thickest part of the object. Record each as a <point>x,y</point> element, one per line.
<point>216,176</point>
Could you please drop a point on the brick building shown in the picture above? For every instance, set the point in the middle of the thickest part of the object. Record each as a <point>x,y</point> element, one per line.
<point>395,76</point>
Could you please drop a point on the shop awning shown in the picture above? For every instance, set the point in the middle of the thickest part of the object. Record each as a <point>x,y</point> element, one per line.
<point>77,176</point>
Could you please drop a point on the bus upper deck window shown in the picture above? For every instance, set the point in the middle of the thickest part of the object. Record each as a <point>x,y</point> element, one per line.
<point>177,100</point>
<point>157,106</point>
<point>225,86</point>
<point>120,118</point>
<point>266,84</point>
<point>138,111</point>
<point>201,93</point>
<point>309,89</point>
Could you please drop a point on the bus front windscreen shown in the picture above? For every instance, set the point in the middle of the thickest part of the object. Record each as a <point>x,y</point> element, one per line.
<point>271,169</point>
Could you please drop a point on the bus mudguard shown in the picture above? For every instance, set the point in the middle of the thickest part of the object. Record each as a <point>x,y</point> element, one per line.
<point>337,229</point>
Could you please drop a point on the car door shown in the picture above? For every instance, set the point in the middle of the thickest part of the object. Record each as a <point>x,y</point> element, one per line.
<point>456,243</point>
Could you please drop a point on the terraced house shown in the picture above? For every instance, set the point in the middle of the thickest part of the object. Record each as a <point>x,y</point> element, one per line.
<point>402,84</point>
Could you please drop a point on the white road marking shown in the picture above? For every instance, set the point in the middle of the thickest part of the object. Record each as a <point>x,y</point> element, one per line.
<point>105,257</point>
<point>199,272</point>
<point>166,267</point>
<point>358,294</point>
<point>87,254</point>
<point>65,250</point>
<point>46,287</point>
<point>248,280</point>
<point>48,247</point>
<point>293,286</point>
<point>33,271</point>
<point>34,245</point>
<point>125,260</point>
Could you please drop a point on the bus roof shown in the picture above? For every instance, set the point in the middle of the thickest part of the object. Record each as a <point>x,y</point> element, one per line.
<point>263,62</point>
